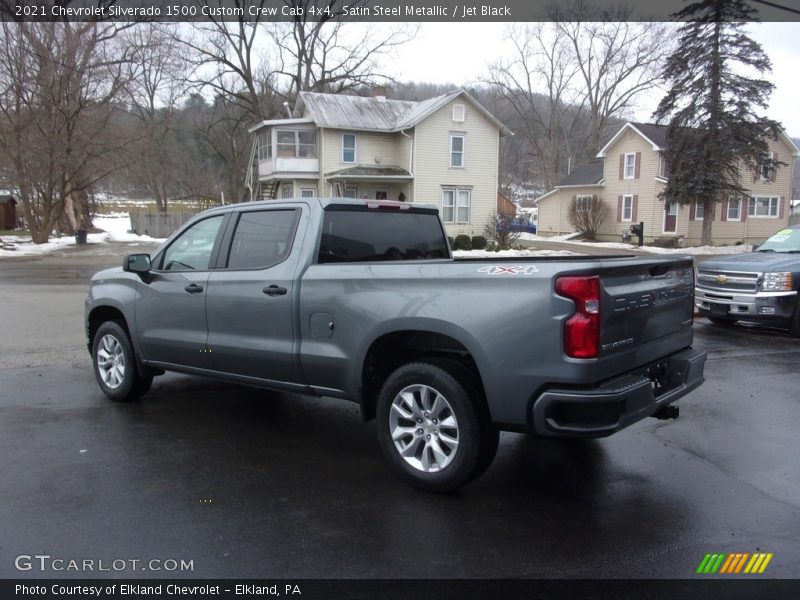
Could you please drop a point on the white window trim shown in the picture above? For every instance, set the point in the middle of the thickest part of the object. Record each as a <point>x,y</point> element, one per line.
<point>463,150</point>
<point>308,189</point>
<point>625,166</point>
<point>738,212</point>
<point>463,111</point>
<point>754,201</point>
<point>626,197</point>
<point>355,150</point>
<point>456,193</point>
<point>698,206</point>
<point>350,187</point>
<point>287,186</point>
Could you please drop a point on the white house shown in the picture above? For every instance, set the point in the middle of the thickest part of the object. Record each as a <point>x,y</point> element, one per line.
<point>442,151</point>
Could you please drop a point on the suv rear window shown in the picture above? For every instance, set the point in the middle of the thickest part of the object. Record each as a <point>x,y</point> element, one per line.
<point>380,235</point>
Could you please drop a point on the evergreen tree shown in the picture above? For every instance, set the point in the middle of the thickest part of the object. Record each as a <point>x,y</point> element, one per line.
<point>714,128</point>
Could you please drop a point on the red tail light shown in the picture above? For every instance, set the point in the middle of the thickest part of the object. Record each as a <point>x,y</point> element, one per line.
<point>581,330</point>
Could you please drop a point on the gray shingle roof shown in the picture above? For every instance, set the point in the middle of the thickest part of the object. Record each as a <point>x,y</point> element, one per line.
<point>590,173</point>
<point>655,133</point>
<point>369,171</point>
<point>342,111</point>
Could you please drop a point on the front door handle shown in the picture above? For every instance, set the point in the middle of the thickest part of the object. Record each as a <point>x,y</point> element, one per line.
<point>193,288</point>
<point>274,290</point>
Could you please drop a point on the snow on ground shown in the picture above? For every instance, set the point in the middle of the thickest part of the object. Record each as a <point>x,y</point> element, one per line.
<point>548,238</point>
<point>116,228</point>
<point>567,239</point>
<point>510,253</point>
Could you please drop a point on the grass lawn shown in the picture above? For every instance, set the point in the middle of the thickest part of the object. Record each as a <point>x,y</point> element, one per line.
<point>15,232</point>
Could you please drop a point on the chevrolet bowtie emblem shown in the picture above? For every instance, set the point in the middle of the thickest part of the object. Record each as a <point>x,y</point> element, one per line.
<point>721,279</point>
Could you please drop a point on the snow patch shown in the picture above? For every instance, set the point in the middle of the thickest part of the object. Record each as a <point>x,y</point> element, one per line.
<point>115,230</point>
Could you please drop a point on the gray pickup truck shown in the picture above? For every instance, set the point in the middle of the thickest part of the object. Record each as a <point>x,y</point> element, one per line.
<point>362,300</point>
<point>760,286</point>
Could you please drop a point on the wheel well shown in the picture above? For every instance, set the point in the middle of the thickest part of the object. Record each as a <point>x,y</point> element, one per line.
<point>393,350</point>
<point>100,315</point>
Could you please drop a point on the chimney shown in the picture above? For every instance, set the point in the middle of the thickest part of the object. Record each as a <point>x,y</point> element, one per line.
<point>379,92</point>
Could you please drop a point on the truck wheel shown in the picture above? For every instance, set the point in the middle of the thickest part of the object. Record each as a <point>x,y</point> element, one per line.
<point>431,429</point>
<point>114,364</point>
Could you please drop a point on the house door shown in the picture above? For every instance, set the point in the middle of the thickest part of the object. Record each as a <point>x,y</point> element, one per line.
<point>671,217</point>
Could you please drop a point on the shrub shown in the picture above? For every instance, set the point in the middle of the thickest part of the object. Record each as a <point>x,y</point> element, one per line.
<point>462,243</point>
<point>478,242</point>
<point>587,217</point>
<point>451,240</point>
<point>499,230</point>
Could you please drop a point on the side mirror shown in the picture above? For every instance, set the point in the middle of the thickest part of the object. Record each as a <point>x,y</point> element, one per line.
<point>136,263</point>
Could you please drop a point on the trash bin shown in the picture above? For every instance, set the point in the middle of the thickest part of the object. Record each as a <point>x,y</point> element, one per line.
<point>80,236</point>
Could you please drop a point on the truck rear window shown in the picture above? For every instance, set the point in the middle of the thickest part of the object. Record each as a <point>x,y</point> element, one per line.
<point>381,235</point>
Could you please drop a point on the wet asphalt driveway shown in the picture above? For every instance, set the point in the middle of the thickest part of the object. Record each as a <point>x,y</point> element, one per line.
<point>247,483</point>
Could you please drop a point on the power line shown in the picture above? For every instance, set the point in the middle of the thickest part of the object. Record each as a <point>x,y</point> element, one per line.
<point>778,6</point>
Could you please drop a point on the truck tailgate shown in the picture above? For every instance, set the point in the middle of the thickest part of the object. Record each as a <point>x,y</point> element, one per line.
<point>646,303</point>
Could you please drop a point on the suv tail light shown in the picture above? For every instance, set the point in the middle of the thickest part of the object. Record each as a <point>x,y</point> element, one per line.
<point>581,330</point>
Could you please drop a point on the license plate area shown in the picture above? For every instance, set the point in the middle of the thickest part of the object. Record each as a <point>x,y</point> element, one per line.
<point>719,309</point>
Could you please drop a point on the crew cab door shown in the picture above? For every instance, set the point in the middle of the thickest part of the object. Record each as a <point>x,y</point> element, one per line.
<point>171,307</point>
<point>250,294</point>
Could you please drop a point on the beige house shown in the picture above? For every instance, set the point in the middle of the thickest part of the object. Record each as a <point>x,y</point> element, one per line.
<point>441,151</point>
<point>629,174</point>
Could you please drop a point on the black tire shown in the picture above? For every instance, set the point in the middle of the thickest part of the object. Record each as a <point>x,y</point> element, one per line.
<point>722,321</point>
<point>133,384</point>
<point>477,439</point>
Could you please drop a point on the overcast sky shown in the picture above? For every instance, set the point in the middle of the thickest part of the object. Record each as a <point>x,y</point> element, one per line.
<point>460,52</point>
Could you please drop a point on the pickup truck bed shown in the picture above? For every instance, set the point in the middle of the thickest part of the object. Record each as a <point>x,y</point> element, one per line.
<point>363,301</point>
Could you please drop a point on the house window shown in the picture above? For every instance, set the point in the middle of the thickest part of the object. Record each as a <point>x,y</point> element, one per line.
<point>662,166</point>
<point>734,209</point>
<point>627,207</point>
<point>348,148</point>
<point>288,191</point>
<point>698,210</point>
<point>448,206</point>
<point>308,192</point>
<point>351,192</point>
<point>380,195</point>
<point>630,166</point>
<point>296,144</point>
<point>456,150</point>
<point>764,207</point>
<point>583,202</point>
<point>458,112</point>
<point>456,205</point>
<point>766,167</point>
<point>264,145</point>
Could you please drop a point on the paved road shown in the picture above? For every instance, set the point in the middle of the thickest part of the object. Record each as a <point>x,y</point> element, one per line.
<point>247,483</point>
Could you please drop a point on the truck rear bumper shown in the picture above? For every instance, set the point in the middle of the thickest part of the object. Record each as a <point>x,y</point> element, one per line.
<point>603,410</point>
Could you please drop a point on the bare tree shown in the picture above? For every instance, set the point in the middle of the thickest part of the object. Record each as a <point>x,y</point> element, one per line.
<point>323,54</point>
<point>537,83</point>
<point>58,85</point>
<point>156,80</point>
<point>616,60</point>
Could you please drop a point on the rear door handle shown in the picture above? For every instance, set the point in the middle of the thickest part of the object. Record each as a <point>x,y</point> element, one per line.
<point>193,288</point>
<point>274,290</point>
